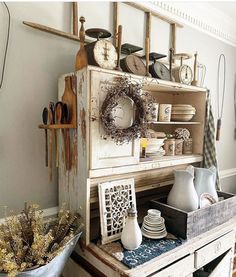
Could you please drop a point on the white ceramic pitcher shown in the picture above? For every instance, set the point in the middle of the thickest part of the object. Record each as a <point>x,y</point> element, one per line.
<point>183,194</point>
<point>205,181</point>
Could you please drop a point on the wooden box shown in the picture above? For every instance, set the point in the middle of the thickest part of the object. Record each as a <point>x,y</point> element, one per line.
<point>191,224</point>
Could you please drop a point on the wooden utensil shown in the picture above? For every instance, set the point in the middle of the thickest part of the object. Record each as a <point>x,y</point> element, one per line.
<point>45,122</point>
<point>69,116</point>
<point>58,120</point>
<point>81,57</point>
<point>50,118</point>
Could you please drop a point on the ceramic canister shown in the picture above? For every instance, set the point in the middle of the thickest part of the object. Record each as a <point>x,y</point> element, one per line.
<point>188,146</point>
<point>169,147</point>
<point>152,114</point>
<point>165,112</point>
<point>178,146</point>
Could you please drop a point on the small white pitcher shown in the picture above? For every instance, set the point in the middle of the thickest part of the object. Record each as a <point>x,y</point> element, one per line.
<point>205,181</point>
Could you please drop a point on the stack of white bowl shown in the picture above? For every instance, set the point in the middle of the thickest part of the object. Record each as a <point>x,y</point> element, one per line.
<point>182,112</point>
<point>154,225</point>
<point>154,147</point>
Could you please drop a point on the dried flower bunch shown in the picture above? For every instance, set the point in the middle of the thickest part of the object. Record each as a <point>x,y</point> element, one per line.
<point>125,89</point>
<point>182,133</point>
<point>28,241</point>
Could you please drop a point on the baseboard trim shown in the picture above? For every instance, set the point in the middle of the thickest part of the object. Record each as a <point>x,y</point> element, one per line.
<point>227,173</point>
<point>46,213</point>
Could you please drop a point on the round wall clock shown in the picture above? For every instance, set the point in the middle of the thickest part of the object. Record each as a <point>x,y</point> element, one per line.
<point>102,52</point>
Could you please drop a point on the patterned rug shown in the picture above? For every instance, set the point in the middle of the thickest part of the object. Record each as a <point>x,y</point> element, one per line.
<point>149,249</point>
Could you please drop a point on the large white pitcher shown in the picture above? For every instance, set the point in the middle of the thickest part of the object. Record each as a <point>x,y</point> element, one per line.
<point>183,194</point>
<point>205,181</point>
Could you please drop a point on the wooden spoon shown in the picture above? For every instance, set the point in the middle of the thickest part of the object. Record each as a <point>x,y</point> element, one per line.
<point>50,117</point>
<point>66,119</point>
<point>58,120</point>
<point>45,122</point>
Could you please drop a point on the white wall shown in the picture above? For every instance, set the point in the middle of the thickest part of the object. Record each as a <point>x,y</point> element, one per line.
<point>37,59</point>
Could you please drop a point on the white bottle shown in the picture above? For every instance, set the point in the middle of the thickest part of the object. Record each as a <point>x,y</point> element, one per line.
<point>131,236</point>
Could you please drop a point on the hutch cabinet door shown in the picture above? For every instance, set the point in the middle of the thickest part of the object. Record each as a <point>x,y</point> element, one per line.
<point>104,152</point>
<point>224,266</point>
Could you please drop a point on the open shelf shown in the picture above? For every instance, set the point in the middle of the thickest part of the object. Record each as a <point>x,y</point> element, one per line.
<point>176,122</point>
<point>162,162</point>
<point>57,126</point>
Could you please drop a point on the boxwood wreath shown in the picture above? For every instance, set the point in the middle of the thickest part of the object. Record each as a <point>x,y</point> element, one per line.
<point>142,104</point>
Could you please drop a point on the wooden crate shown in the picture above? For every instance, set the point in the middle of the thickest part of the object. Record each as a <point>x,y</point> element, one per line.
<point>191,224</point>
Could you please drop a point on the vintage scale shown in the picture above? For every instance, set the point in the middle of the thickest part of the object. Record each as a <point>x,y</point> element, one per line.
<point>183,73</point>
<point>132,63</point>
<point>158,69</point>
<point>102,52</point>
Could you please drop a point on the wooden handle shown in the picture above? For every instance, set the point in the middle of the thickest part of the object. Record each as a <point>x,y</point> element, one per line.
<point>50,155</point>
<point>66,138</point>
<point>75,18</point>
<point>147,51</point>
<point>119,47</point>
<point>218,129</point>
<point>170,63</point>
<point>46,148</point>
<point>82,32</point>
<point>194,82</point>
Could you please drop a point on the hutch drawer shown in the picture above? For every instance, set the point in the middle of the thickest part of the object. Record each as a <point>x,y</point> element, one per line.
<point>214,249</point>
<point>182,268</point>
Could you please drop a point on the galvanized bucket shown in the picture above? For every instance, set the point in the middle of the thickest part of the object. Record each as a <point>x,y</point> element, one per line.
<point>55,267</point>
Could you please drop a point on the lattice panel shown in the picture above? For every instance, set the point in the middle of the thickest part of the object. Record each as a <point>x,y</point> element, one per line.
<point>114,199</point>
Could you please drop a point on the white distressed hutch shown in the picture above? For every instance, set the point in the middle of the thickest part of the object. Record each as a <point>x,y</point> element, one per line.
<point>99,159</point>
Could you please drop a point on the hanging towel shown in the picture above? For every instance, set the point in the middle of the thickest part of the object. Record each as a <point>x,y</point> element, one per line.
<point>209,148</point>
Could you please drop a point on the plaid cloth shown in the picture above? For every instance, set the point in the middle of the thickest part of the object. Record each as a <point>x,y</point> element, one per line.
<point>209,149</point>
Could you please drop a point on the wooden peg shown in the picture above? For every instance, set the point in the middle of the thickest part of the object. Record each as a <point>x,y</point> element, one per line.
<point>81,57</point>
<point>75,18</point>
<point>218,127</point>
<point>170,62</point>
<point>194,81</point>
<point>119,35</point>
<point>147,52</point>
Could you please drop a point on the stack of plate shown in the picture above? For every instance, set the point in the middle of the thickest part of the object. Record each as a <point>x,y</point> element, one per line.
<point>154,225</point>
<point>182,112</point>
<point>154,147</point>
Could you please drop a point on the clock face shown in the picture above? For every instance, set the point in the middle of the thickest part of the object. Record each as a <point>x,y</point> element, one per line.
<point>105,54</point>
<point>123,113</point>
<point>185,74</point>
<point>135,65</point>
<point>162,71</point>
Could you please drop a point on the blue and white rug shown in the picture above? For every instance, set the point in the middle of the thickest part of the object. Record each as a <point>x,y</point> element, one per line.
<point>148,250</point>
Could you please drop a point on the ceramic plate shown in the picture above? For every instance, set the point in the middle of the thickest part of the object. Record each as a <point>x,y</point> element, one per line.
<point>206,200</point>
<point>155,236</point>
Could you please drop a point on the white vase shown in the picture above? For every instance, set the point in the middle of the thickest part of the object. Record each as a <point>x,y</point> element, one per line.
<point>131,236</point>
<point>183,194</point>
<point>205,181</point>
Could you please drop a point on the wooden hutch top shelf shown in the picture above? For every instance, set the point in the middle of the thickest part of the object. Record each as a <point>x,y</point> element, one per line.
<point>152,84</point>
